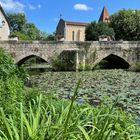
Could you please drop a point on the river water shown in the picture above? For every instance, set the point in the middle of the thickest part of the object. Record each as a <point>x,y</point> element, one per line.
<point>95,86</point>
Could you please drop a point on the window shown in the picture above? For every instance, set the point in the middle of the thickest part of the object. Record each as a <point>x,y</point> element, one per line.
<point>73,35</point>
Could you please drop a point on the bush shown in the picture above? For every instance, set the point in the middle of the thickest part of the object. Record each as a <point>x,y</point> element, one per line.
<point>95,30</point>
<point>62,64</point>
<point>87,67</point>
<point>135,67</point>
<point>103,64</point>
<point>11,84</point>
<point>7,67</point>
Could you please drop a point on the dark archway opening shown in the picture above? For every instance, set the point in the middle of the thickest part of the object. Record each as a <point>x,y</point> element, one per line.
<point>113,62</point>
<point>34,63</point>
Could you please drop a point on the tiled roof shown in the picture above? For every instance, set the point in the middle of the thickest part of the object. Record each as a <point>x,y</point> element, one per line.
<point>76,23</point>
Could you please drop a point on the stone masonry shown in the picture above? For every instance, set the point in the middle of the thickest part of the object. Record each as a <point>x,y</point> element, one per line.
<point>93,52</point>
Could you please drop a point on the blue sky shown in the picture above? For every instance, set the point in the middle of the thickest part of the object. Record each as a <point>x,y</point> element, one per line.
<point>45,14</point>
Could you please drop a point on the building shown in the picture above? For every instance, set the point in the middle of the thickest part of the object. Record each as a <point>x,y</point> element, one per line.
<point>70,31</point>
<point>104,17</point>
<point>4,25</point>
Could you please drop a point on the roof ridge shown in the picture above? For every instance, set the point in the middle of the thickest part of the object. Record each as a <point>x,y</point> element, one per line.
<point>76,23</point>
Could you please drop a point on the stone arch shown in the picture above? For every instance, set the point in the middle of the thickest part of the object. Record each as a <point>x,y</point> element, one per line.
<point>114,61</point>
<point>21,60</point>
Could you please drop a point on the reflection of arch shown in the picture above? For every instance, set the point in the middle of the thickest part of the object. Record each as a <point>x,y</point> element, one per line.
<point>23,59</point>
<point>114,61</point>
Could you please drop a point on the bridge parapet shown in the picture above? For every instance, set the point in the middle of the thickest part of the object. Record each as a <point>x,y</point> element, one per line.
<point>93,51</point>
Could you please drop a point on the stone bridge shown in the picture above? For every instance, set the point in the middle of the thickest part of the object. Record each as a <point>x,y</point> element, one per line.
<point>85,52</point>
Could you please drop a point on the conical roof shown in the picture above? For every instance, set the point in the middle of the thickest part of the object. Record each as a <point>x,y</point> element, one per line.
<point>104,17</point>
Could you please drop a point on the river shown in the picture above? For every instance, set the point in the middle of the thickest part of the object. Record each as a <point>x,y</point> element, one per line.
<point>95,86</point>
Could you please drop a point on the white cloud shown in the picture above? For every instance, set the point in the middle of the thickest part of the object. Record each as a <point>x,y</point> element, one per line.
<point>82,7</point>
<point>11,5</point>
<point>39,6</point>
<point>31,7</point>
<point>16,6</point>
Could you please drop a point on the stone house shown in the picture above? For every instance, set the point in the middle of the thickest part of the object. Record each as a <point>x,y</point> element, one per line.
<point>70,31</point>
<point>4,25</point>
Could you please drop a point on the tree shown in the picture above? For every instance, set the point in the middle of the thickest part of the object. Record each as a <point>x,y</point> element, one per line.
<point>16,21</point>
<point>22,29</point>
<point>31,31</point>
<point>126,24</point>
<point>51,37</point>
<point>95,30</point>
<point>47,37</point>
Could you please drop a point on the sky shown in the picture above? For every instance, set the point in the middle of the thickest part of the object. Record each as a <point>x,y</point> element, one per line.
<point>45,14</point>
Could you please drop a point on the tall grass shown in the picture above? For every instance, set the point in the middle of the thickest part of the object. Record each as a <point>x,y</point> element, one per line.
<point>61,120</point>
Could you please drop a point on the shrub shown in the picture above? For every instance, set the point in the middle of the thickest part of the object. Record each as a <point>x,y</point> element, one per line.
<point>7,67</point>
<point>62,63</point>
<point>87,67</point>
<point>103,64</point>
<point>135,67</point>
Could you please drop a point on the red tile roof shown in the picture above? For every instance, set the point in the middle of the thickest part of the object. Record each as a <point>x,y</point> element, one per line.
<point>76,23</point>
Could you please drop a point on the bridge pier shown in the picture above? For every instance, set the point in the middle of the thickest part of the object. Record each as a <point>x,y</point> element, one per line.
<point>77,60</point>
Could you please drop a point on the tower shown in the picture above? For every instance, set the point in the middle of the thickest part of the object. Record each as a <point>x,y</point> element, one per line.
<point>104,17</point>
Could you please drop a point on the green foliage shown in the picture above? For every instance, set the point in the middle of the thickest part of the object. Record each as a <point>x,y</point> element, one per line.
<point>94,86</point>
<point>17,21</point>
<point>86,67</point>
<point>64,62</point>
<point>103,64</point>
<point>11,90</point>
<point>47,37</point>
<point>50,37</point>
<point>126,24</point>
<point>66,120</point>
<point>95,30</point>
<point>135,67</point>
<point>11,84</point>
<point>31,31</point>
<point>20,35</point>
<point>85,45</point>
<point>22,29</point>
<point>7,67</point>
<point>56,63</point>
